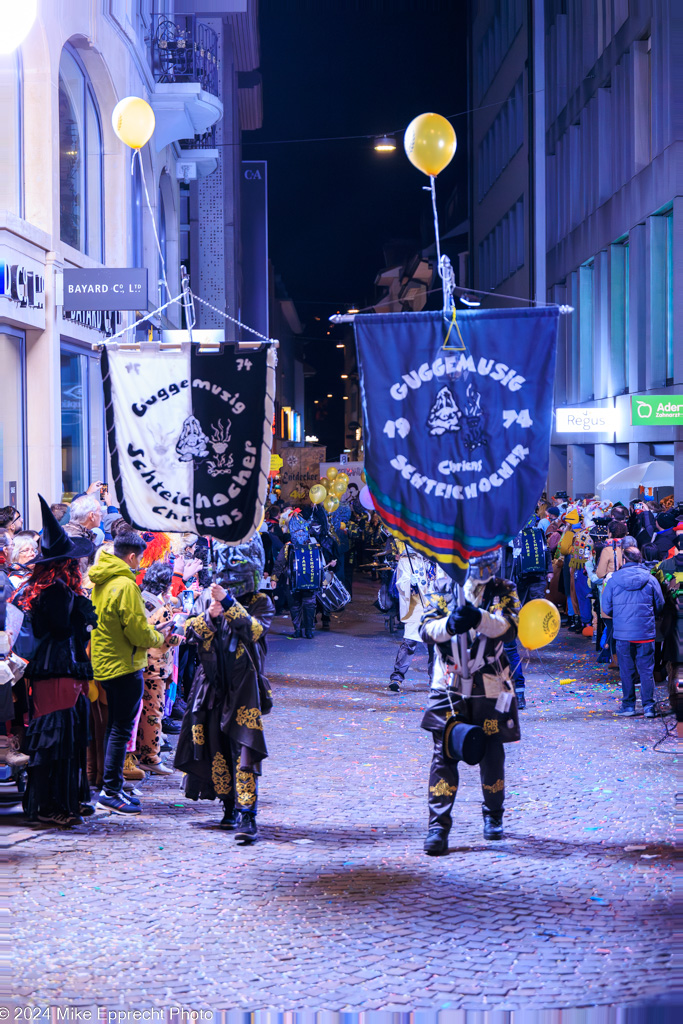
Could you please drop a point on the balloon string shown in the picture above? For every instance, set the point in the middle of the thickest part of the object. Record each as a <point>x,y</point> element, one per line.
<point>138,153</point>
<point>444,264</point>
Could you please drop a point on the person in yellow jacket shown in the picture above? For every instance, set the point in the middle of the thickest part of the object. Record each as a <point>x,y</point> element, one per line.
<point>119,655</point>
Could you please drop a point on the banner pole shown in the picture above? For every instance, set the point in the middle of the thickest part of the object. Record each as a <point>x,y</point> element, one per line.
<point>463,652</point>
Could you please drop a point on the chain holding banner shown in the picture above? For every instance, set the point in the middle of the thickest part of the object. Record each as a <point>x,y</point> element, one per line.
<point>190,437</point>
<point>457,431</point>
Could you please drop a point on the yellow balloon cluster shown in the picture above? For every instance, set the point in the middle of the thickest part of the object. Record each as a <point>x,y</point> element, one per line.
<point>539,624</point>
<point>133,121</point>
<point>430,143</point>
<point>331,504</point>
<point>317,494</point>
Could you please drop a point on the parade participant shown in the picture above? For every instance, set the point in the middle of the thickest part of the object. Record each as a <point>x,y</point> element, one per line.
<point>158,673</point>
<point>61,619</point>
<point>221,744</point>
<point>488,617</point>
<point>302,561</point>
<point>319,528</point>
<point>119,654</point>
<point>417,577</point>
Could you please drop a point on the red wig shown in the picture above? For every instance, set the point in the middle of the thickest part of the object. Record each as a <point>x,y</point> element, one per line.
<point>43,576</point>
<point>158,550</point>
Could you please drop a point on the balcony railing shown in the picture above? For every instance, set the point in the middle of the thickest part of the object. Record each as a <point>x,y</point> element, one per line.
<point>207,140</point>
<point>185,50</point>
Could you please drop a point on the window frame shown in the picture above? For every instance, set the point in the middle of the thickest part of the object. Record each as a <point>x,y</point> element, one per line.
<point>88,96</point>
<point>70,347</point>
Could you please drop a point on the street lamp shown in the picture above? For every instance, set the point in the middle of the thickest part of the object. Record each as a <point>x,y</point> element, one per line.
<point>384,144</point>
<point>15,22</point>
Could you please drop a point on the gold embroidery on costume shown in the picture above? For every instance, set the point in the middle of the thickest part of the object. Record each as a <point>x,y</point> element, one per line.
<point>256,629</point>
<point>239,653</point>
<point>235,611</point>
<point>496,787</point>
<point>443,789</point>
<point>198,735</point>
<point>490,726</point>
<point>202,629</point>
<point>246,788</point>
<point>249,717</point>
<point>220,775</point>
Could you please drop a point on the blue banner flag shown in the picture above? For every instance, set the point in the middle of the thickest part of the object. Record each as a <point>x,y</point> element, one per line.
<point>457,425</point>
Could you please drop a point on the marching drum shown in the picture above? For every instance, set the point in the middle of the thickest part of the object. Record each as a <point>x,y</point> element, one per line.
<point>333,595</point>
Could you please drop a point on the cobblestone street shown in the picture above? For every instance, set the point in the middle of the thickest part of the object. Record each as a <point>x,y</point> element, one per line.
<point>337,907</point>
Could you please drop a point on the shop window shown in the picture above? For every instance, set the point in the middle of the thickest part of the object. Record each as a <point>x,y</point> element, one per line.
<point>82,408</point>
<point>12,447</point>
<point>11,143</point>
<point>80,159</point>
<point>619,314</point>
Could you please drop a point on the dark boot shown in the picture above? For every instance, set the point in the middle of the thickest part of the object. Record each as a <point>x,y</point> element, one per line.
<point>296,635</point>
<point>394,684</point>
<point>493,823</point>
<point>246,831</point>
<point>230,819</point>
<point>310,634</point>
<point>576,625</point>
<point>436,840</point>
<point>521,699</point>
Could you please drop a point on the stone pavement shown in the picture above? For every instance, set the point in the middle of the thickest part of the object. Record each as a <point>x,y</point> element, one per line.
<point>337,907</point>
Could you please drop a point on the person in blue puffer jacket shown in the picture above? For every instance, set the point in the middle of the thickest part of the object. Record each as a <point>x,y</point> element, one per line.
<point>632,598</point>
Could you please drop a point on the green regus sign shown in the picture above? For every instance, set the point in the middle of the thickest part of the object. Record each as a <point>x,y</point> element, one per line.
<point>657,411</point>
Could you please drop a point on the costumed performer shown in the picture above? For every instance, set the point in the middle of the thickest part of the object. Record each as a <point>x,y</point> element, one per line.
<point>488,617</point>
<point>221,743</point>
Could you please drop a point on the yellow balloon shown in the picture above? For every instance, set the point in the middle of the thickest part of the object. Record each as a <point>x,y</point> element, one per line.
<point>430,143</point>
<point>342,478</point>
<point>133,121</point>
<point>339,487</point>
<point>331,504</point>
<point>317,493</point>
<point>363,477</point>
<point>331,473</point>
<point>539,624</point>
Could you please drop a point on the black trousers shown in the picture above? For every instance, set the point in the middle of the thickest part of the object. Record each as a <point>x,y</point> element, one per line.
<point>404,656</point>
<point>530,588</point>
<point>124,694</point>
<point>302,609</point>
<point>444,780</point>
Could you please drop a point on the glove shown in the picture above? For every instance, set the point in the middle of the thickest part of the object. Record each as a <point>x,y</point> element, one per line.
<point>462,619</point>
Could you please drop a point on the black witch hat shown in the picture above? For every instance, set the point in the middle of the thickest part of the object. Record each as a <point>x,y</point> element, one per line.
<point>55,543</point>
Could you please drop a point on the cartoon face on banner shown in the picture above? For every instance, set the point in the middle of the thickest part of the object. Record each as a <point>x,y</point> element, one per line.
<point>457,436</point>
<point>353,470</point>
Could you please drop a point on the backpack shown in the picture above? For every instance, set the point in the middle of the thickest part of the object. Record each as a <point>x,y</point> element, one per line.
<point>582,549</point>
<point>531,546</point>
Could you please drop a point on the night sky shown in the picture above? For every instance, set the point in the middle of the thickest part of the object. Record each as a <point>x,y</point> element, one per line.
<point>343,69</point>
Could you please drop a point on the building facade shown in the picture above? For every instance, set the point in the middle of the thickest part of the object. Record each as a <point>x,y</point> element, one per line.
<point>71,199</point>
<point>506,184</point>
<point>588,163</point>
<point>614,149</point>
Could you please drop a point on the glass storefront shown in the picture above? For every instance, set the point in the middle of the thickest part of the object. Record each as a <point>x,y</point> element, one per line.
<point>12,447</point>
<point>83,434</point>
